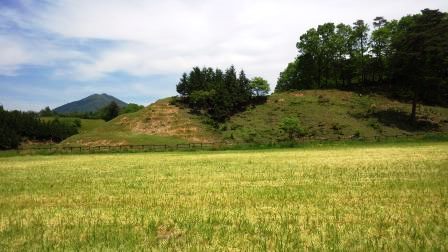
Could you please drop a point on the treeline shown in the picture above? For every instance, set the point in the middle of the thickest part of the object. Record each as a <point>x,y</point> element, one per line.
<point>406,58</point>
<point>219,94</point>
<point>16,126</point>
<point>106,113</point>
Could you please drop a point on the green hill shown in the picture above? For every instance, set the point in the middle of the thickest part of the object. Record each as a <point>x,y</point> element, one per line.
<point>159,123</point>
<point>89,104</point>
<point>322,113</point>
<point>332,114</point>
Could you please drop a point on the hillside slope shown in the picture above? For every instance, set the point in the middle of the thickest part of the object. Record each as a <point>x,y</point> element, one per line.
<point>332,114</point>
<point>89,104</point>
<point>322,113</point>
<point>159,123</point>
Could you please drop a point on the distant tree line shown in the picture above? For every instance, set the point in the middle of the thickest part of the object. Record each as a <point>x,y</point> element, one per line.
<point>219,94</point>
<point>106,113</point>
<point>16,126</point>
<point>407,58</point>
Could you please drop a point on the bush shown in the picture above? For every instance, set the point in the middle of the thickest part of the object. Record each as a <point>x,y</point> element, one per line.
<point>292,127</point>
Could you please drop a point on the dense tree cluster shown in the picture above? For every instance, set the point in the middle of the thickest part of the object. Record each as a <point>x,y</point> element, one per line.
<point>110,111</point>
<point>16,125</point>
<point>408,57</point>
<point>106,113</point>
<point>130,108</point>
<point>217,93</point>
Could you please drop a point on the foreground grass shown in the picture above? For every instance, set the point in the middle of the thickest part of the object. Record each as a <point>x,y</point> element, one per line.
<point>352,198</point>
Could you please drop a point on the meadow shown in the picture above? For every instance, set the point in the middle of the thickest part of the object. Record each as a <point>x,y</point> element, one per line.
<point>379,197</point>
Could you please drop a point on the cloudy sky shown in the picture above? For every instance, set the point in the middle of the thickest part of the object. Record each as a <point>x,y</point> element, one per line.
<point>56,51</point>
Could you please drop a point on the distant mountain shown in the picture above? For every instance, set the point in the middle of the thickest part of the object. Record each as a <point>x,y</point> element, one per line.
<point>89,104</point>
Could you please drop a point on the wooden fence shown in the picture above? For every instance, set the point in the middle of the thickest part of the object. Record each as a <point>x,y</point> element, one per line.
<point>205,146</point>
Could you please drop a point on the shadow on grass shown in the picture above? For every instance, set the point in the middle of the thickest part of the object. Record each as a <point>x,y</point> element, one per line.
<point>401,120</point>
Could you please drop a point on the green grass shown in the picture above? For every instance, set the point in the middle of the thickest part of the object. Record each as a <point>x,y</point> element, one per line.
<point>331,113</point>
<point>87,125</point>
<point>383,197</point>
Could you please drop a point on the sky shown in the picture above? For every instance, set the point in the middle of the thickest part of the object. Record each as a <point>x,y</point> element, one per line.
<point>56,51</point>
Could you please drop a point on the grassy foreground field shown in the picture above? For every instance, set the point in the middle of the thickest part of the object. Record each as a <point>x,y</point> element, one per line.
<point>351,198</point>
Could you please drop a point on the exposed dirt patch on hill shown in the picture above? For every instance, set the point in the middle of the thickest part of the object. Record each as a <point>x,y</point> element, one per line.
<point>102,142</point>
<point>165,119</point>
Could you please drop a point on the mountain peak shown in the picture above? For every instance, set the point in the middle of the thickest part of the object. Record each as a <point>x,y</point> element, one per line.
<point>89,104</point>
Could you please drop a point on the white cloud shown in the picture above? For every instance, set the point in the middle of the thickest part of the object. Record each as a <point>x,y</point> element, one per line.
<point>171,36</point>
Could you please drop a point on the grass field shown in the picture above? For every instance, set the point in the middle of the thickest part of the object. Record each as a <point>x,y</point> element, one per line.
<point>384,197</point>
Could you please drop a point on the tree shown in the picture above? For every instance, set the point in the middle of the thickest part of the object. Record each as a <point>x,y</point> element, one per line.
<point>244,89</point>
<point>289,78</point>
<point>259,86</point>
<point>291,126</point>
<point>46,112</point>
<point>344,45</point>
<point>310,54</point>
<point>360,34</point>
<point>215,93</point>
<point>17,125</point>
<point>110,111</point>
<point>328,51</point>
<point>77,122</point>
<point>130,108</point>
<point>421,52</point>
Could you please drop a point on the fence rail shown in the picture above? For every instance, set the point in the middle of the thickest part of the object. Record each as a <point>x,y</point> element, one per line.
<point>208,145</point>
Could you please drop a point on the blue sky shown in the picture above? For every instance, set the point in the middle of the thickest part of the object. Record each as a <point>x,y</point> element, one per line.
<point>54,52</point>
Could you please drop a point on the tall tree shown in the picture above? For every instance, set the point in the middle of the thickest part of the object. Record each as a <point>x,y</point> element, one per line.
<point>111,111</point>
<point>361,35</point>
<point>328,51</point>
<point>421,57</point>
<point>310,51</point>
<point>259,86</point>
<point>343,44</point>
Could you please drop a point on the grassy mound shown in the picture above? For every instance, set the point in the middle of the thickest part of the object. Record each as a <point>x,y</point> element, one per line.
<point>332,114</point>
<point>322,113</point>
<point>159,123</point>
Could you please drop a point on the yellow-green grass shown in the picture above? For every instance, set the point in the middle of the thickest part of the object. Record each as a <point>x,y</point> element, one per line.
<point>392,197</point>
<point>86,124</point>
